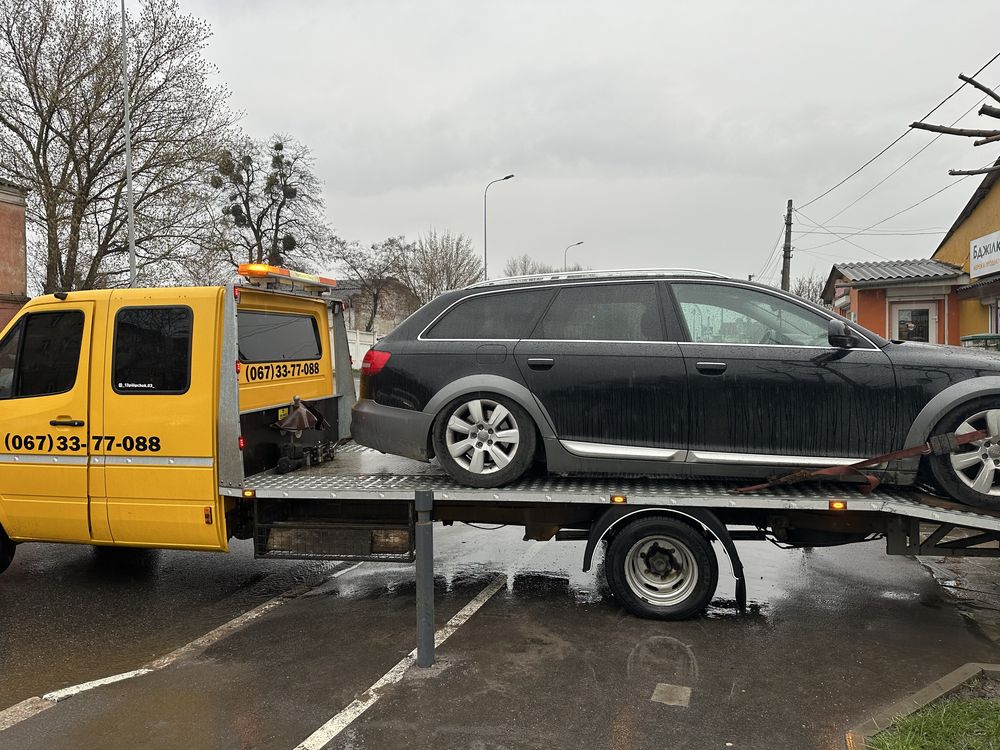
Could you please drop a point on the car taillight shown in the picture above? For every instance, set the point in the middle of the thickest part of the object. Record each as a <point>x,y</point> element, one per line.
<point>374,361</point>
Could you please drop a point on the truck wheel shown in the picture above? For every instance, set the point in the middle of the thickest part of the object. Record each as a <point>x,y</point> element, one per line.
<point>484,440</point>
<point>6,550</point>
<point>971,475</point>
<point>661,568</point>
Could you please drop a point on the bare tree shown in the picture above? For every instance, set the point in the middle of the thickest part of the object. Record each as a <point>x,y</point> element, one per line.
<point>436,263</point>
<point>525,265</point>
<point>984,136</point>
<point>374,269</point>
<point>809,287</point>
<point>271,204</point>
<point>61,131</point>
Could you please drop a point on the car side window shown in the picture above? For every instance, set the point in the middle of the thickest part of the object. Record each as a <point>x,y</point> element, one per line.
<point>603,312</point>
<point>41,354</point>
<point>727,314</point>
<point>505,315</point>
<point>152,351</point>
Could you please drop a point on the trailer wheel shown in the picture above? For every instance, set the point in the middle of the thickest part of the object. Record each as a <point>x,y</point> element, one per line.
<point>661,568</point>
<point>484,440</point>
<point>6,550</point>
<point>971,475</point>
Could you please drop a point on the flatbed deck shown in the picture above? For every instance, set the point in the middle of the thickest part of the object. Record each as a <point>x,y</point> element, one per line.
<point>359,473</point>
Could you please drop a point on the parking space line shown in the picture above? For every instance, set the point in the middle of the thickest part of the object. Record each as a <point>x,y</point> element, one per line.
<point>371,696</point>
<point>326,733</point>
<point>24,710</point>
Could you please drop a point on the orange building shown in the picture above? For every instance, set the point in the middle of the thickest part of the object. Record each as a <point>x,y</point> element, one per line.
<point>915,300</point>
<point>13,254</point>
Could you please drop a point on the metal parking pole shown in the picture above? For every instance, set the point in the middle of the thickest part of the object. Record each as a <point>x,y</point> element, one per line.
<point>424,504</point>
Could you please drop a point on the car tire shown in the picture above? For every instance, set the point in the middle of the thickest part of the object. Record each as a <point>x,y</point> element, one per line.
<point>971,475</point>
<point>680,581</point>
<point>7,548</point>
<point>484,440</point>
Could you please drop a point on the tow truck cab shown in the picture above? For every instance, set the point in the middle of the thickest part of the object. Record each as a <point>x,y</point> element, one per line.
<point>126,414</point>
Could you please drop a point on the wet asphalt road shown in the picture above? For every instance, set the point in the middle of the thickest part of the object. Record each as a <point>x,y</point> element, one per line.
<point>549,661</point>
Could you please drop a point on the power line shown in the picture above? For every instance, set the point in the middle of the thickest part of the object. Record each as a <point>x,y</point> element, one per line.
<point>773,249</point>
<point>875,234</point>
<point>883,221</point>
<point>900,137</point>
<point>843,238</point>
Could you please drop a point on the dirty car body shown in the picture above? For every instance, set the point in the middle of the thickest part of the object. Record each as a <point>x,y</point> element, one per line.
<point>680,373</point>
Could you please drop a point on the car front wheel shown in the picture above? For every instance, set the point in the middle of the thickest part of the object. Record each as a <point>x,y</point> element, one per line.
<point>971,475</point>
<point>484,440</point>
<point>6,550</point>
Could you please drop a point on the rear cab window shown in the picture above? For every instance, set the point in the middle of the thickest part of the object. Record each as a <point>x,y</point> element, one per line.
<point>152,350</point>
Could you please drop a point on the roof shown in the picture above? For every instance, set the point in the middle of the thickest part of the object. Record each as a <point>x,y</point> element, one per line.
<point>11,186</point>
<point>886,272</point>
<point>977,197</point>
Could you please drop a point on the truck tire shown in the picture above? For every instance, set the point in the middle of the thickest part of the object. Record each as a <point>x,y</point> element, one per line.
<point>971,475</point>
<point>484,440</point>
<point>661,568</point>
<point>6,550</point>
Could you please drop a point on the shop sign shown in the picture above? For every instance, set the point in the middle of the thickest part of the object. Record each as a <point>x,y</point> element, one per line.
<point>984,255</point>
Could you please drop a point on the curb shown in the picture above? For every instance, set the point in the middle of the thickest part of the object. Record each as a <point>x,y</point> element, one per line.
<point>857,738</point>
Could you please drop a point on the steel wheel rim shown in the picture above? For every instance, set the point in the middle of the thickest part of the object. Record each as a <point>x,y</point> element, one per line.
<point>661,570</point>
<point>482,436</point>
<point>977,464</point>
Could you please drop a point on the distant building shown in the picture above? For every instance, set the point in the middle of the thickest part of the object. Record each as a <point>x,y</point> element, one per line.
<point>13,251</point>
<point>914,300</point>
<point>395,305</point>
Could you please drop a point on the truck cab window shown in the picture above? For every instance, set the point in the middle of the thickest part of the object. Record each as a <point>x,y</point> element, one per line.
<point>40,355</point>
<point>277,337</point>
<point>152,351</point>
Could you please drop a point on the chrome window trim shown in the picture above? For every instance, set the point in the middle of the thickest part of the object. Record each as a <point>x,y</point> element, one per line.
<point>781,293</point>
<point>782,346</point>
<point>421,337</point>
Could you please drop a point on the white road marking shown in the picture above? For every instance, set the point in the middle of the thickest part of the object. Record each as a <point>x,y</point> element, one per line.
<point>371,696</point>
<point>32,706</point>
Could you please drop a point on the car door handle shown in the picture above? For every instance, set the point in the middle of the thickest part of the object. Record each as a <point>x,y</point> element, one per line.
<point>711,368</point>
<point>66,422</point>
<point>540,363</point>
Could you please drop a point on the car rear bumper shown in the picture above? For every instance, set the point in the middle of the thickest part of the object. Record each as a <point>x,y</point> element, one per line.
<point>402,432</point>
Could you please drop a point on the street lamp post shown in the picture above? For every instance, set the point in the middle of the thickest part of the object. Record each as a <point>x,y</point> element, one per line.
<point>485,274</point>
<point>565,267</point>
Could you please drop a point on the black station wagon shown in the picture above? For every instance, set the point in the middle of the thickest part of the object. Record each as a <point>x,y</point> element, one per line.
<point>668,372</point>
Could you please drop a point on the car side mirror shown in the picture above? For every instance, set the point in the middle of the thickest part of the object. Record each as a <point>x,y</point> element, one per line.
<point>840,335</point>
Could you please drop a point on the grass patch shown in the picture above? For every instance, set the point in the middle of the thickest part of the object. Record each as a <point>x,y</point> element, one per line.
<point>951,724</point>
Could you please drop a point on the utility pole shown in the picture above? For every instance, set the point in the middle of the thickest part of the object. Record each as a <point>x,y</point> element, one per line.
<point>129,202</point>
<point>786,263</point>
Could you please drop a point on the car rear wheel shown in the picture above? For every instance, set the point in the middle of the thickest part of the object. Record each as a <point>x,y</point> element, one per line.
<point>484,440</point>
<point>6,550</point>
<point>661,568</point>
<point>971,475</point>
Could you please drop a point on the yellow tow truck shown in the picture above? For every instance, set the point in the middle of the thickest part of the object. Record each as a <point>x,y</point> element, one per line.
<point>130,416</point>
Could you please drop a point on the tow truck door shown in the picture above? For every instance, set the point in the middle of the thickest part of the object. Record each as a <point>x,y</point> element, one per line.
<point>44,380</point>
<point>157,441</point>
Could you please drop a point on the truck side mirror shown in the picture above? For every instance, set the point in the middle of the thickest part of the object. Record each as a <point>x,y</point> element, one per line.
<point>840,335</point>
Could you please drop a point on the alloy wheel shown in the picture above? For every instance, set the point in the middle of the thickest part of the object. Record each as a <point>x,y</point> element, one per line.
<point>977,464</point>
<point>482,436</point>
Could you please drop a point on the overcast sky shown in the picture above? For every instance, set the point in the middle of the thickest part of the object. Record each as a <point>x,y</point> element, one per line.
<point>659,133</point>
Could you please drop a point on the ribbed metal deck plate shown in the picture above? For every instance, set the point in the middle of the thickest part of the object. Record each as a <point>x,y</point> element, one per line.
<point>361,473</point>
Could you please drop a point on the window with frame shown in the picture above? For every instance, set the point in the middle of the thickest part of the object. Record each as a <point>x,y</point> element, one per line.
<point>501,315</point>
<point>603,312</point>
<point>277,337</point>
<point>41,354</point>
<point>729,314</point>
<point>152,350</point>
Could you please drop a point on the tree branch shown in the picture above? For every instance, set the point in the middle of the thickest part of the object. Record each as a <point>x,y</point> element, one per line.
<point>989,111</point>
<point>969,133</point>
<point>973,82</point>
<point>984,170</point>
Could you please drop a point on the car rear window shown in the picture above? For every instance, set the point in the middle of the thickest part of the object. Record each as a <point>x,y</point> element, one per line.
<point>505,315</point>
<point>603,312</point>
<point>277,337</point>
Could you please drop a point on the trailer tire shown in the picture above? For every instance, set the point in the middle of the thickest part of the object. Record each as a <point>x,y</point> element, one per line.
<point>661,568</point>
<point>959,473</point>
<point>484,440</point>
<point>7,548</point>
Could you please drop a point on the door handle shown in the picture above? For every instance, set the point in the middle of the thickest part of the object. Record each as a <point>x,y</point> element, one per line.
<point>540,363</point>
<point>66,422</point>
<point>711,368</point>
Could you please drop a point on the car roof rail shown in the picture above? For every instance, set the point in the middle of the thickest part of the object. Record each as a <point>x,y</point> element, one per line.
<point>616,273</point>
